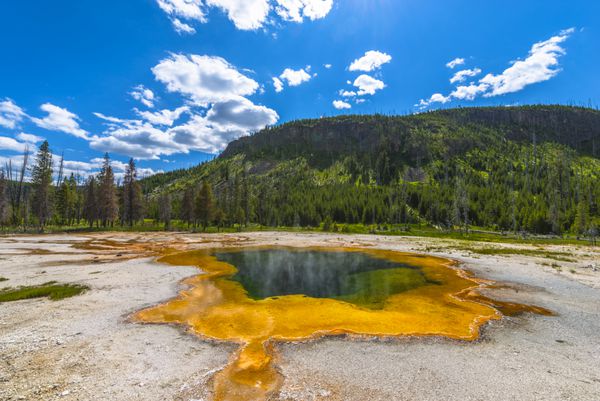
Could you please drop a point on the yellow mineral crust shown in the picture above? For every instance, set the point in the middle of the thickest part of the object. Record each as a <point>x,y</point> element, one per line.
<point>218,308</point>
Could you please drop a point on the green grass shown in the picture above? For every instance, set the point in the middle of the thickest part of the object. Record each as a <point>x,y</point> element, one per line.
<point>560,256</point>
<point>51,290</point>
<point>412,230</point>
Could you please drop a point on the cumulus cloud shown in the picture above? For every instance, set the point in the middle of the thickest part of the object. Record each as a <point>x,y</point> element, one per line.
<point>182,28</point>
<point>139,141</point>
<point>345,93</point>
<point>59,119</point>
<point>203,79</point>
<point>297,10</point>
<point>241,114</point>
<point>540,65</point>
<point>162,117</point>
<point>461,76</point>
<point>455,63</point>
<point>295,77</point>
<point>341,105</point>
<point>188,9</point>
<point>143,95</point>
<point>468,92</point>
<point>209,83</point>
<point>277,84</point>
<point>245,14</point>
<point>92,167</point>
<point>29,138</point>
<point>292,78</point>
<point>223,122</point>
<point>367,85</point>
<point>11,144</point>
<point>372,60</point>
<point>327,66</point>
<point>10,114</point>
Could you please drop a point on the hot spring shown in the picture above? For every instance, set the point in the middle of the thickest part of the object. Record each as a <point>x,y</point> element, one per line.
<point>257,297</point>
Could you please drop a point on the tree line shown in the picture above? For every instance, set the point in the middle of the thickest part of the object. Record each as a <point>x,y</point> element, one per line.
<point>515,187</point>
<point>38,199</point>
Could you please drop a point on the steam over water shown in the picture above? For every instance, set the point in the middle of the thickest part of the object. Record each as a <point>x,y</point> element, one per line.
<point>351,276</point>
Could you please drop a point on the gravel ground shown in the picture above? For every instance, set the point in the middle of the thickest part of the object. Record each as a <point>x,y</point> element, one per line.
<point>84,348</point>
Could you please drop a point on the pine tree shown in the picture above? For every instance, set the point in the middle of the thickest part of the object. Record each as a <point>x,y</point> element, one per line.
<point>108,208</point>
<point>60,202</point>
<point>41,179</point>
<point>73,200</point>
<point>186,212</point>
<point>204,205</point>
<point>90,204</point>
<point>580,225</point>
<point>132,196</point>
<point>164,210</point>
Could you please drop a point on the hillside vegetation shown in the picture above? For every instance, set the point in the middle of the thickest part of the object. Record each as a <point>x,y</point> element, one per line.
<point>534,169</point>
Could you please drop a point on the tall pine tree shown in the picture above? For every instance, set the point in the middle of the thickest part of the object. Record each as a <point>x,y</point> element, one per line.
<point>205,205</point>
<point>41,180</point>
<point>108,209</point>
<point>90,203</point>
<point>132,196</point>
<point>187,212</point>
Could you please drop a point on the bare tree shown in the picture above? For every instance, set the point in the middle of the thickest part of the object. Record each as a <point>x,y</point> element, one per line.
<point>15,189</point>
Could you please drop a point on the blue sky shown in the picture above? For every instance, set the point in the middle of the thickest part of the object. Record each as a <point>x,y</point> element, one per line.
<point>171,82</point>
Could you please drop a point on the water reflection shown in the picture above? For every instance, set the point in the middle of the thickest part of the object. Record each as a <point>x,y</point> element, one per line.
<point>351,276</point>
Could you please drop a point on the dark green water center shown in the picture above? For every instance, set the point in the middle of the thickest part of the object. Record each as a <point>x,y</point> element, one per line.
<point>354,277</point>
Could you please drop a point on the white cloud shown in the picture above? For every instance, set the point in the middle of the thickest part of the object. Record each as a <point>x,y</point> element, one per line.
<point>29,138</point>
<point>139,141</point>
<point>92,167</point>
<point>204,79</point>
<point>10,114</point>
<point>144,95</point>
<point>455,63</point>
<point>245,14</point>
<point>224,122</point>
<point>295,77</point>
<point>11,144</point>
<point>297,10</point>
<point>182,28</point>
<point>345,93</point>
<point>59,119</point>
<point>188,9</point>
<point>341,105</point>
<point>469,92</point>
<point>241,114</point>
<point>277,84</point>
<point>435,98</point>
<point>368,85</point>
<point>209,83</point>
<point>162,117</point>
<point>327,66</point>
<point>540,65</point>
<point>461,76</point>
<point>372,60</point>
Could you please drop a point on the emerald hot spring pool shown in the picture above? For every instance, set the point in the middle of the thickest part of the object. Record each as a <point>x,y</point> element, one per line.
<point>354,277</point>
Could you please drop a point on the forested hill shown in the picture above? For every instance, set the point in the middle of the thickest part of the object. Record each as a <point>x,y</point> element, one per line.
<point>423,136</point>
<point>532,168</point>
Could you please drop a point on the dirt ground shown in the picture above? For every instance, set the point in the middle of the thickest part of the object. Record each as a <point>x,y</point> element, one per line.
<point>84,348</point>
